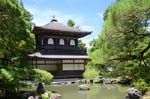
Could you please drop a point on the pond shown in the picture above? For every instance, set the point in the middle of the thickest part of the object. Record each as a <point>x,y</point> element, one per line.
<point>97,91</point>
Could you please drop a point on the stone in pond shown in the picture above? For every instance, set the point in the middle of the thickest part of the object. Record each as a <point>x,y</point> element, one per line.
<point>55,96</point>
<point>84,87</point>
<point>34,97</point>
<point>108,81</point>
<point>133,93</point>
<point>25,94</point>
<point>31,97</point>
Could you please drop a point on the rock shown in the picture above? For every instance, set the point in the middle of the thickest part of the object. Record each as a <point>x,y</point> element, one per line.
<point>114,81</point>
<point>40,88</point>
<point>55,96</point>
<point>100,77</point>
<point>84,87</point>
<point>87,81</point>
<point>25,94</point>
<point>125,80</point>
<point>107,81</point>
<point>68,82</point>
<point>36,97</point>
<point>91,80</point>
<point>31,97</point>
<point>78,81</point>
<point>133,93</point>
<point>55,83</point>
<point>98,80</point>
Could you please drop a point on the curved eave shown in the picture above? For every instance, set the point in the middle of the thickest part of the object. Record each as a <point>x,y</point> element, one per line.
<point>79,33</point>
<point>38,55</point>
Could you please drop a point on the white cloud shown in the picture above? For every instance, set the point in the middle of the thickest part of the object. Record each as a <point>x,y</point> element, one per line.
<point>87,28</point>
<point>45,16</point>
<point>42,17</point>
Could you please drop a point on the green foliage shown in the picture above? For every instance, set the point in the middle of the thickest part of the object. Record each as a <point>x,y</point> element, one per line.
<point>81,44</point>
<point>5,75</point>
<point>141,85</point>
<point>97,57</point>
<point>10,78</point>
<point>106,74</point>
<point>43,76</point>
<point>46,95</point>
<point>91,72</point>
<point>99,50</point>
<point>16,39</point>
<point>124,42</point>
<point>70,23</point>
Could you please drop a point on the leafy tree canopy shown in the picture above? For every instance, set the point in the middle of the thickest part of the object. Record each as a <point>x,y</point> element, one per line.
<point>124,41</point>
<point>16,40</point>
<point>70,23</point>
<point>15,36</point>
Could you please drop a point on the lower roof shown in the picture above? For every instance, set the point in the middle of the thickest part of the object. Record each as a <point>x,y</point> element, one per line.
<point>39,55</point>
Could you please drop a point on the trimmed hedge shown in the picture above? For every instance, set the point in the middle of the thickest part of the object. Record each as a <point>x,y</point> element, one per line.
<point>43,76</point>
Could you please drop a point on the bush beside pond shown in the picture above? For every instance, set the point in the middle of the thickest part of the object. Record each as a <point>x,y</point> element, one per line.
<point>46,95</point>
<point>43,76</point>
<point>141,85</point>
<point>91,72</point>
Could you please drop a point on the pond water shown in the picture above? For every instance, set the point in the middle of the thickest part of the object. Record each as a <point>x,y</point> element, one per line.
<point>97,91</point>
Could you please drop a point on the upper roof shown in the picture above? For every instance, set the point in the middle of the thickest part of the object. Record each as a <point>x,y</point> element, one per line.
<point>58,28</point>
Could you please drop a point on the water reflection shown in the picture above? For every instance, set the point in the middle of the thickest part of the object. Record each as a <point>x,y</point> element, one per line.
<point>97,91</point>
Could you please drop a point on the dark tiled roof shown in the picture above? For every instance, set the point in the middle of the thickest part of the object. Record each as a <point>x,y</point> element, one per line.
<point>59,27</point>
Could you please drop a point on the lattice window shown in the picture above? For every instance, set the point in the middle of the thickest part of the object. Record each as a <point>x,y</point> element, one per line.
<point>72,42</point>
<point>50,41</point>
<point>61,42</point>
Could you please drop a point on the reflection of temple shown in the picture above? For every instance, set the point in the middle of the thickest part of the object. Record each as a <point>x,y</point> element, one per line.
<point>58,51</point>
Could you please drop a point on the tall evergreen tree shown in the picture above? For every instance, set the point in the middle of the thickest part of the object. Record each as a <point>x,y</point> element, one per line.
<point>124,41</point>
<point>16,39</point>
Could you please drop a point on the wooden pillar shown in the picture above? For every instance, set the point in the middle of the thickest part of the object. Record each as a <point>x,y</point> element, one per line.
<point>36,63</point>
<point>73,65</point>
<point>32,63</point>
<point>67,43</point>
<point>59,66</point>
<point>84,64</point>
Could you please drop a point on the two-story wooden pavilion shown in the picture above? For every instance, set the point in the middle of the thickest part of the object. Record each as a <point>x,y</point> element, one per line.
<point>57,50</point>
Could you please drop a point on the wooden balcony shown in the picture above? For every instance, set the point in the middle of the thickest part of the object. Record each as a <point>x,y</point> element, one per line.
<point>62,50</point>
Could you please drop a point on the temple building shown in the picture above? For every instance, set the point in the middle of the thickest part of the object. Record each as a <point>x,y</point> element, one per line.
<point>57,50</point>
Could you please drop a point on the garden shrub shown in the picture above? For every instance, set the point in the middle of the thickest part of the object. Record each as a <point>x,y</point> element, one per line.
<point>12,79</point>
<point>141,85</point>
<point>91,72</point>
<point>106,74</point>
<point>6,75</point>
<point>46,95</point>
<point>43,76</point>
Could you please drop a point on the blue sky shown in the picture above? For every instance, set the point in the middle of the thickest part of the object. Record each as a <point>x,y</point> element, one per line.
<point>88,14</point>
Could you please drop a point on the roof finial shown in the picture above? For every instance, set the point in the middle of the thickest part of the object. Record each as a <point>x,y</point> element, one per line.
<point>53,20</point>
